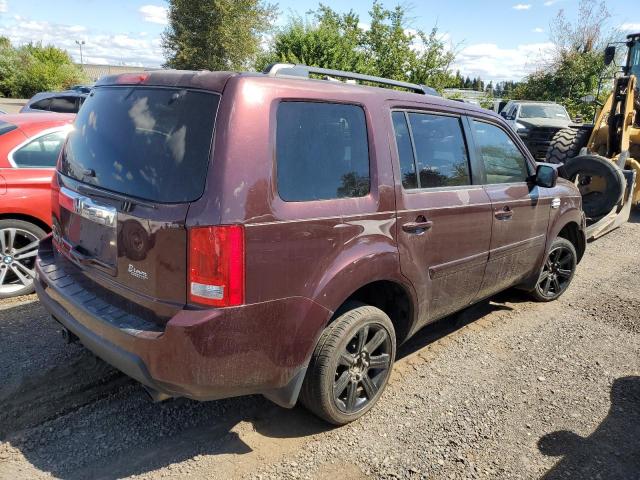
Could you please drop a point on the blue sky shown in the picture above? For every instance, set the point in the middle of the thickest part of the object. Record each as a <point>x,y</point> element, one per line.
<point>497,40</point>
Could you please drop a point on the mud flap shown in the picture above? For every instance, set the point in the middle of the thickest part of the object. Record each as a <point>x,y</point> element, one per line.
<point>619,214</point>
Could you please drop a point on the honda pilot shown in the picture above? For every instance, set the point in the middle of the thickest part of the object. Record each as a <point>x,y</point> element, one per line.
<point>219,234</point>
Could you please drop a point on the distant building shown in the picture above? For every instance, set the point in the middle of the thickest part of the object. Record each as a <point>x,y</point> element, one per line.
<point>94,72</point>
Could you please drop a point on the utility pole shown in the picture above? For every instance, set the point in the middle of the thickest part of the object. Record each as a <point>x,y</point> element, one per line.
<point>80,44</point>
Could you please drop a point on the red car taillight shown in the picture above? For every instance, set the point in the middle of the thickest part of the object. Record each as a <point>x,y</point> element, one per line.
<point>216,265</point>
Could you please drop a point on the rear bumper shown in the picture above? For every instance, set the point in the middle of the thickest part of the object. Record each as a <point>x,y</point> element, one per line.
<point>201,354</point>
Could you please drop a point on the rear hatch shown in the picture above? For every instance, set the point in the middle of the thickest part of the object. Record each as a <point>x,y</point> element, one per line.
<point>137,158</point>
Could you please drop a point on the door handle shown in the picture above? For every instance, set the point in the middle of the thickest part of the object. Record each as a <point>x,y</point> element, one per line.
<point>419,226</point>
<point>505,214</point>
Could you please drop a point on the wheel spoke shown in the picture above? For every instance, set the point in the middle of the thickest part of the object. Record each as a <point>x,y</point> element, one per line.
<point>3,241</point>
<point>341,384</point>
<point>547,284</point>
<point>3,274</point>
<point>346,359</point>
<point>352,395</point>
<point>556,285</point>
<point>363,333</point>
<point>376,341</point>
<point>12,238</point>
<point>564,273</point>
<point>544,275</point>
<point>565,259</point>
<point>23,279</point>
<point>22,256</point>
<point>32,247</point>
<point>379,361</point>
<point>370,388</point>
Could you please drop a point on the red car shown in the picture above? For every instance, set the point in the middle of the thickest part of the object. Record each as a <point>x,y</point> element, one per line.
<point>29,147</point>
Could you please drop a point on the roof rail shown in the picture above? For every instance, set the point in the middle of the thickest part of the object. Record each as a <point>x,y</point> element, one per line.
<point>304,71</point>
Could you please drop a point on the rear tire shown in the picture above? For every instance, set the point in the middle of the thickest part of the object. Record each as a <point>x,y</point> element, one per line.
<point>18,249</point>
<point>350,366</point>
<point>567,143</point>
<point>582,170</point>
<point>557,271</point>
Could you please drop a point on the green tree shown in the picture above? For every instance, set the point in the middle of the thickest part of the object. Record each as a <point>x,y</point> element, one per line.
<point>34,68</point>
<point>215,34</point>
<point>387,48</point>
<point>577,63</point>
<point>331,41</point>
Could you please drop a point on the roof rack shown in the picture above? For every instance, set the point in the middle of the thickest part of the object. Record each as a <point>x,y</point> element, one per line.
<point>304,71</point>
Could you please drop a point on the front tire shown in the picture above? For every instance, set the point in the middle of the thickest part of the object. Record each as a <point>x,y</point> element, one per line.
<point>350,365</point>
<point>557,272</point>
<point>18,249</point>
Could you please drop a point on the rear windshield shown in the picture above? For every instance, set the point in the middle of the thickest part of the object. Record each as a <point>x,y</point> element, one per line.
<point>6,127</point>
<point>145,142</point>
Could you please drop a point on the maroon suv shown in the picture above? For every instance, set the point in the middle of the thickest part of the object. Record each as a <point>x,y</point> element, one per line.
<point>219,234</point>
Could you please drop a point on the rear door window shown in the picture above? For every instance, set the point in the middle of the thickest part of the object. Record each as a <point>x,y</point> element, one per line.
<point>405,151</point>
<point>322,151</point>
<point>41,104</point>
<point>146,142</point>
<point>41,152</point>
<point>502,160</point>
<point>64,105</point>
<point>441,158</point>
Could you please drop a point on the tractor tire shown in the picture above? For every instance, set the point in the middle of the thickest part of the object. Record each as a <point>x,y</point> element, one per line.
<point>596,204</point>
<point>567,143</point>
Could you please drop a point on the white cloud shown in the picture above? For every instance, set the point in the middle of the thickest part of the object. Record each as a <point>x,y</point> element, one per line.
<point>548,3</point>
<point>100,47</point>
<point>630,27</point>
<point>491,62</point>
<point>4,6</point>
<point>522,6</point>
<point>154,14</point>
<point>538,30</point>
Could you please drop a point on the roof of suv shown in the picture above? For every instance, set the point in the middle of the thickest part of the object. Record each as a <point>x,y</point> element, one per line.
<point>216,81</point>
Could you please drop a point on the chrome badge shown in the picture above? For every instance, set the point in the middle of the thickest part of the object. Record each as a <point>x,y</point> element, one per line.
<point>134,272</point>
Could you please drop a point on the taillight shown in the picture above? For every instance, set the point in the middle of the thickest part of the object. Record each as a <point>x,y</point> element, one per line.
<point>131,78</point>
<point>216,265</point>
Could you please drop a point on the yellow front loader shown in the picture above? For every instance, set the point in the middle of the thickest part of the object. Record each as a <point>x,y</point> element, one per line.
<point>604,159</point>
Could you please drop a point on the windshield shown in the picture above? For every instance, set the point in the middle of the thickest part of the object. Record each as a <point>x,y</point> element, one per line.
<point>543,111</point>
<point>145,142</point>
<point>634,59</point>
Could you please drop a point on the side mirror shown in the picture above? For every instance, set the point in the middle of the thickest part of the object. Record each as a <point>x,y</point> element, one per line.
<point>609,54</point>
<point>546,176</point>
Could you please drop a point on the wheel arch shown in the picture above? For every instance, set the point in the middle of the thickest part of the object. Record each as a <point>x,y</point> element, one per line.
<point>571,231</point>
<point>26,218</point>
<point>393,297</point>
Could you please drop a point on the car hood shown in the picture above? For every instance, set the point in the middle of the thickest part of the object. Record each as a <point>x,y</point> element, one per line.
<point>545,122</point>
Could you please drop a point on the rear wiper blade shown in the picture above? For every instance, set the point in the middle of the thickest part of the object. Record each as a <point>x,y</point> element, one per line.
<point>83,188</point>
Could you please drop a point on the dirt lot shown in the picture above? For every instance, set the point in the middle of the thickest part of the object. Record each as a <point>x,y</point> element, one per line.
<point>506,389</point>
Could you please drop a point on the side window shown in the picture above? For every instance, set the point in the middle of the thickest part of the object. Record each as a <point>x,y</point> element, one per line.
<point>503,162</point>
<point>63,105</point>
<point>322,151</point>
<point>441,154</point>
<point>41,152</point>
<point>405,151</point>
<point>41,104</point>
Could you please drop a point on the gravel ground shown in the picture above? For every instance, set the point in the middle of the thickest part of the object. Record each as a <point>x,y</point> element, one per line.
<point>506,389</point>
